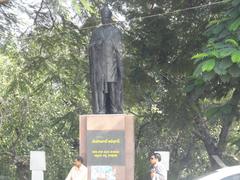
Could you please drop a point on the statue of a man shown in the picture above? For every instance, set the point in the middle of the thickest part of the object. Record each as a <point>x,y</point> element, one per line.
<point>106,68</point>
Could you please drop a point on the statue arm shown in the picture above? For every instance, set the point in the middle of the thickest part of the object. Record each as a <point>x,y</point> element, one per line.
<point>92,55</point>
<point>92,68</point>
<point>91,58</point>
<point>118,49</point>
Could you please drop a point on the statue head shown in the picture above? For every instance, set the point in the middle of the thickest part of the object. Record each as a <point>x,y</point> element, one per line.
<point>106,14</point>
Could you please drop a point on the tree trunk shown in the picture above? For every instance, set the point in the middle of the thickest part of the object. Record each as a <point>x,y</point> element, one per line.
<point>22,171</point>
<point>213,146</point>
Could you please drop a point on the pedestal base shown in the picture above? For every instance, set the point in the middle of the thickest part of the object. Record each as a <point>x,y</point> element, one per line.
<point>107,146</point>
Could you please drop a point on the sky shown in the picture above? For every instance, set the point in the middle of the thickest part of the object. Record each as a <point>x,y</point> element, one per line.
<point>26,23</point>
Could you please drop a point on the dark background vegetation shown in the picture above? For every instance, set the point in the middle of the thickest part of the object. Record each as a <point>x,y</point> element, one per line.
<point>181,81</point>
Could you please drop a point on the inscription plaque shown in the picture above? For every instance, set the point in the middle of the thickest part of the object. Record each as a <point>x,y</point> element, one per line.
<point>106,148</point>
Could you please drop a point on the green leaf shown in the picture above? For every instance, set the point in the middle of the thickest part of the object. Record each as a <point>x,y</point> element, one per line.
<point>220,71</point>
<point>232,42</point>
<point>87,6</point>
<point>189,88</point>
<point>235,25</point>
<point>198,70</point>
<point>76,7</point>
<point>216,29</point>
<point>222,53</point>
<point>223,35</point>
<point>232,13</point>
<point>208,65</point>
<point>219,46</point>
<point>221,66</point>
<point>213,22</point>
<point>235,57</point>
<point>225,63</point>
<point>234,71</point>
<point>200,56</point>
<point>199,82</point>
<point>235,3</point>
<point>226,109</point>
<point>218,111</point>
<point>237,143</point>
<point>225,78</point>
<point>212,112</point>
<point>208,76</point>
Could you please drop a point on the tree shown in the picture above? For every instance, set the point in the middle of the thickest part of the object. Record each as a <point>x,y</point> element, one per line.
<point>216,78</point>
<point>158,66</point>
<point>45,84</point>
<point>44,90</point>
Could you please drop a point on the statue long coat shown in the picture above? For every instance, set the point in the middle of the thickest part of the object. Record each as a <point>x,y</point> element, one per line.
<point>105,64</point>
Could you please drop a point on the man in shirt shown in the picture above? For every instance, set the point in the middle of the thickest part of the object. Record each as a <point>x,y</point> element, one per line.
<point>78,171</point>
<point>158,171</point>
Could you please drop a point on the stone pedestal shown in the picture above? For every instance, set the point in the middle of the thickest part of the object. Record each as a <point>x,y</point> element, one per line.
<point>107,146</point>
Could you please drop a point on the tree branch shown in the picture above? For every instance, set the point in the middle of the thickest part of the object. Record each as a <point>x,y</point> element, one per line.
<point>140,132</point>
<point>4,2</point>
<point>228,120</point>
<point>38,11</point>
<point>52,18</point>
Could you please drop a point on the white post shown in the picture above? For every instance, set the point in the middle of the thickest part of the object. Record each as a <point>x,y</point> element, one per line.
<point>37,175</point>
<point>165,159</point>
<point>37,164</point>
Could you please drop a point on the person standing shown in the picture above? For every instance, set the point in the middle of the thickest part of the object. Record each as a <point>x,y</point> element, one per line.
<point>78,171</point>
<point>158,171</point>
<point>106,67</point>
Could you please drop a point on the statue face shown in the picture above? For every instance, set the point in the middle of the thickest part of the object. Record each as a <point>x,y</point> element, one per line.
<point>106,15</point>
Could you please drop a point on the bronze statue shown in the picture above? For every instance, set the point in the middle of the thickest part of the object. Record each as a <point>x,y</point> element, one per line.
<point>106,68</point>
